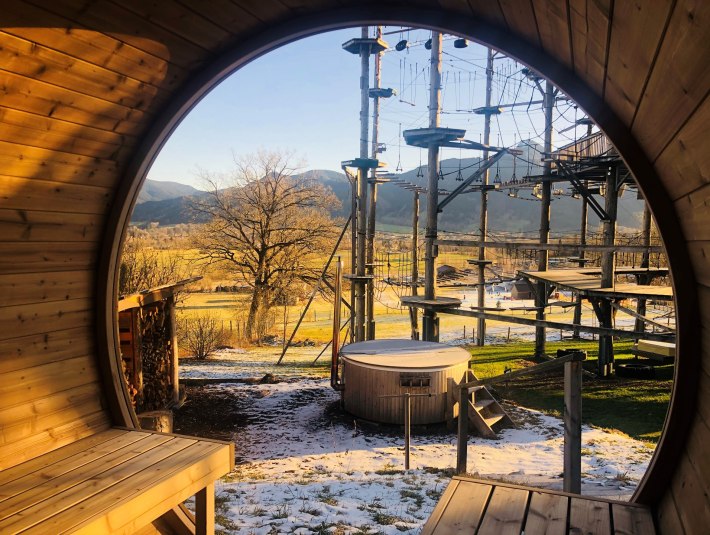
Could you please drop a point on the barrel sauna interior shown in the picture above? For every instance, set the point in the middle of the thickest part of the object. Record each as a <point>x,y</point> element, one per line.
<point>377,373</point>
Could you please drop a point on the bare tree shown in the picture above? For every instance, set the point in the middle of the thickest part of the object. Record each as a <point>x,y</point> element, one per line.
<point>201,336</point>
<point>144,267</point>
<point>269,226</point>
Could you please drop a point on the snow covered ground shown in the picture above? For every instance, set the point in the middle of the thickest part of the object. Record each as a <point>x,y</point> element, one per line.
<point>305,467</point>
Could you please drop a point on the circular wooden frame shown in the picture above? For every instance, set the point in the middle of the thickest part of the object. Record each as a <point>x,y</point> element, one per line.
<point>681,410</point>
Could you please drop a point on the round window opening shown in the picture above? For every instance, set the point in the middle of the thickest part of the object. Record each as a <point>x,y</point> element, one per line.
<point>366,235</point>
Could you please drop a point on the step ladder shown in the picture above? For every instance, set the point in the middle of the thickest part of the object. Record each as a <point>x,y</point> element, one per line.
<point>485,415</point>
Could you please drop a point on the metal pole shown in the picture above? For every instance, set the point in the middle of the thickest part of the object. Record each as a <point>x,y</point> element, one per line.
<point>483,224</point>
<point>407,427</point>
<point>370,299</point>
<point>462,443</point>
<point>413,319</point>
<point>430,332</point>
<point>362,191</point>
<point>573,427</point>
<point>543,255</point>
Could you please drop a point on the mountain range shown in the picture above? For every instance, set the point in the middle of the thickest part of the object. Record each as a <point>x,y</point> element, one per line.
<point>168,202</point>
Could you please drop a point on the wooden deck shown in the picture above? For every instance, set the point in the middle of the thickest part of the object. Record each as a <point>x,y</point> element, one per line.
<point>490,508</point>
<point>587,284</point>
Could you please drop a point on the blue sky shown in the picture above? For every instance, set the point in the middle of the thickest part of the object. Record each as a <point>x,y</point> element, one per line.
<point>304,97</point>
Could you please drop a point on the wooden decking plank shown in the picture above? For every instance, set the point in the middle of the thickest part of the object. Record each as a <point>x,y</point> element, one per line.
<point>145,496</point>
<point>51,470</point>
<point>505,512</point>
<point>57,456</point>
<point>589,517</point>
<point>35,503</point>
<point>632,520</point>
<point>441,505</point>
<point>547,514</point>
<point>464,511</point>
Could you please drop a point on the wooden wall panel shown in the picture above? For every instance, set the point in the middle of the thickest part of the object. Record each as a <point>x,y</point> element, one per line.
<point>690,497</point>
<point>77,41</point>
<point>637,28</point>
<point>590,30</point>
<point>46,347</point>
<point>685,162</point>
<point>680,78</point>
<point>52,101</point>
<point>552,22</point>
<point>29,288</point>
<point>50,133</point>
<point>35,318</point>
<point>123,25</point>
<point>20,193</point>
<point>27,225</point>
<point>519,17</point>
<point>27,58</point>
<point>488,11</point>
<point>45,257</point>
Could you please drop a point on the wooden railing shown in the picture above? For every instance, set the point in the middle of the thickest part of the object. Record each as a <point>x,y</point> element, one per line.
<point>572,361</point>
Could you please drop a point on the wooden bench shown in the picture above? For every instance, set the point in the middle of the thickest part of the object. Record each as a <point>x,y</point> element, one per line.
<point>115,481</point>
<point>491,508</point>
<point>661,352</point>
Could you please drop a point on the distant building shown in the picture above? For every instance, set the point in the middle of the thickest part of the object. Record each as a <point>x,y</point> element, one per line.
<point>444,270</point>
<point>521,289</point>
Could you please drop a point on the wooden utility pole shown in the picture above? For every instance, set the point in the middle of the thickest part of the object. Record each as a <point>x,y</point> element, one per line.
<point>608,269</point>
<point>640,325</point>
<point>483,223</point>
<point>430,320</point>
<point>577,320</point>
<point>413,319</point>
<point>543,254</point>
<point>370,258</point>
<point>359,327</point>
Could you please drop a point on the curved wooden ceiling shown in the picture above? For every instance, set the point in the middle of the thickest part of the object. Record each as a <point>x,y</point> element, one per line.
<point>89,89</point>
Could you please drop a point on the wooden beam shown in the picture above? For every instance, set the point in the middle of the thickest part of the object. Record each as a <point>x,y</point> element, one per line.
<point>620,333</point>
<point>534,246</point>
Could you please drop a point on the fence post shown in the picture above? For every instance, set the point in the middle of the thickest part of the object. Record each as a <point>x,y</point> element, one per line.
<point>573,423</point>
<point>462,445</point>
<point>407,427</point>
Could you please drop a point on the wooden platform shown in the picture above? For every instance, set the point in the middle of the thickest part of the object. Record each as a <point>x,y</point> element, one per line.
<point>116,481</point>
<point>587,283</point>
<point>490,508</point>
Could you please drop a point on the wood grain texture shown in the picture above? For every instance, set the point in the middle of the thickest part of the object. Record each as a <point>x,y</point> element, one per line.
<point>23,320</point>
<point>685,162</point>
<point>38,287</point>
<point>636,32</point>
<point>26,226</point>
<point>631,521</point>
<point>520,17</point>
<point>43,348</point>
<point>547,514</point>
<point>589,21</point>
<point>505,514</point>
<point>464,510</point>
<point>43,257</point>
<point>22,193</point>
<point>589,517</point>
<point>689,493</point>
<point>680,78</point>
<point>554,28</point>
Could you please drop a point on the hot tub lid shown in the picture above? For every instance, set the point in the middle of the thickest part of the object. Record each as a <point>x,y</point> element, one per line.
<point>404,354</point>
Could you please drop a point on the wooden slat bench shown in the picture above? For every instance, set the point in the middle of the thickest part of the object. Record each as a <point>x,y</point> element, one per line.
<point>115,481</point>
<point>491,508</point>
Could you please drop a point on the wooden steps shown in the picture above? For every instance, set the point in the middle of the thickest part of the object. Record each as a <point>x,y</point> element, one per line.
<point>487,507</point>
<point>116,481</point>
<point>485,414</point>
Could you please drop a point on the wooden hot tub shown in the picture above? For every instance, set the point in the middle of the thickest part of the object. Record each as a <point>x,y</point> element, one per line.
<point>392,367</point>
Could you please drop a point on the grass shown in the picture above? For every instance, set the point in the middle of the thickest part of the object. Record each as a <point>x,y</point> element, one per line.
<point>634,407</point>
